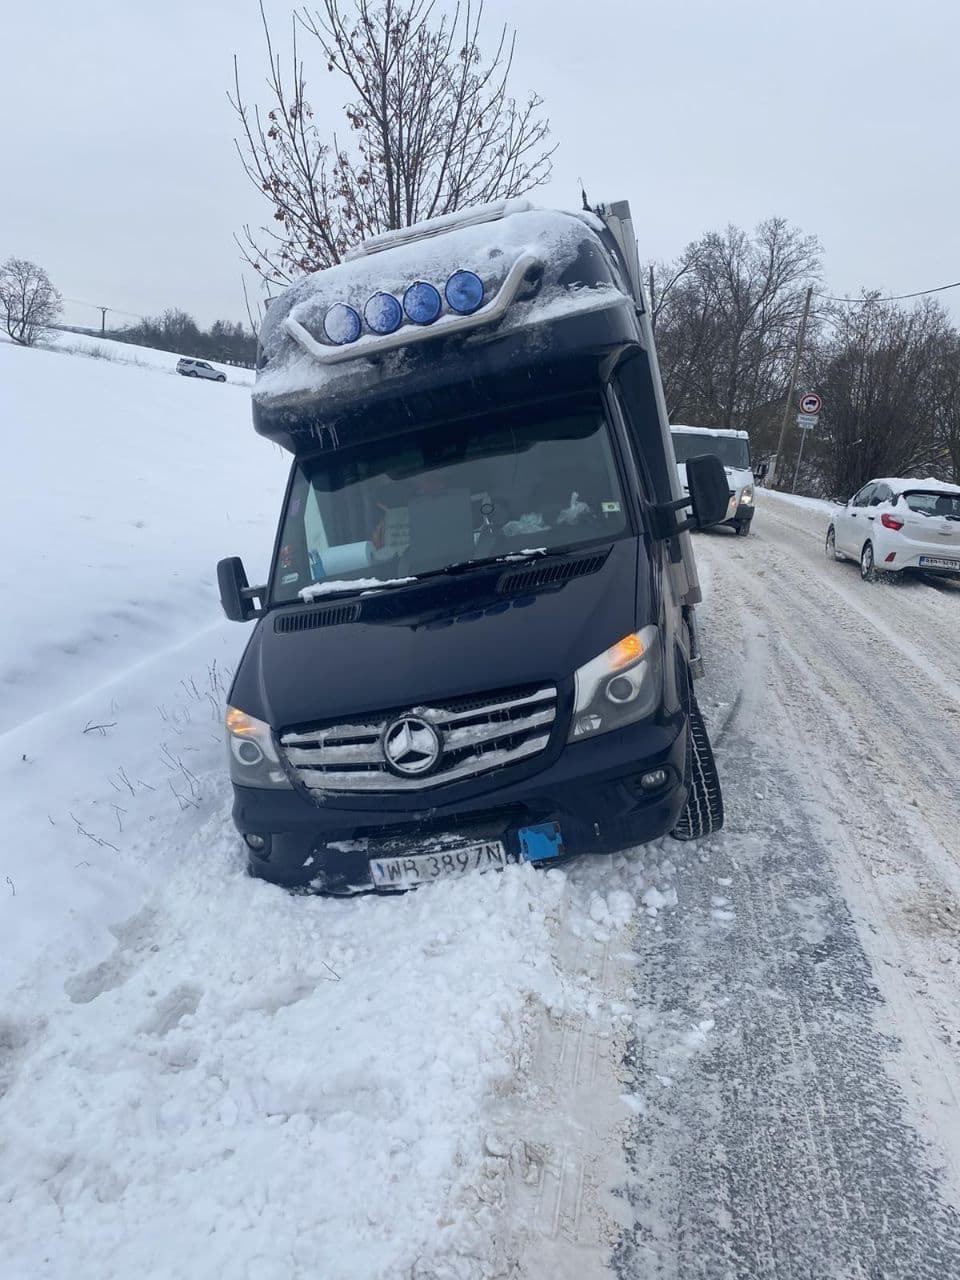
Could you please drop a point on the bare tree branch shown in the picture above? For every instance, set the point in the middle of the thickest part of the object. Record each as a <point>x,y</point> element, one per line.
<point>431,128</point>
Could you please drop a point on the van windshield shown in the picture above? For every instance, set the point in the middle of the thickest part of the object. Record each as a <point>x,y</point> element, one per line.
<point>731,450</point>
<point>418,502</point>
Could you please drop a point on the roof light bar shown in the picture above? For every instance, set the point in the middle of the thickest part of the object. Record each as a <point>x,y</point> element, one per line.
<point>374,344</point>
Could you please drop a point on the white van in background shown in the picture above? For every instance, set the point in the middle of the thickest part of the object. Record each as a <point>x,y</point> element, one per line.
<point>733,449</point>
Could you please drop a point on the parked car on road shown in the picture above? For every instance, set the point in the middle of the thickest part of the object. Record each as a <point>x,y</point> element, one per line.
<point>899,525</point>
<point>200,369</point>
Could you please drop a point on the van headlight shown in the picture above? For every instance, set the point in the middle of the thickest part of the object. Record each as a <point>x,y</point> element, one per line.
<point>746,495</point>
<point>621,685</point>
<point>253,753</point>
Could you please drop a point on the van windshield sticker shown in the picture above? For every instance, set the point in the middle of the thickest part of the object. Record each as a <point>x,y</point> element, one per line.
<point>290,577</point>
<point>609,508</point>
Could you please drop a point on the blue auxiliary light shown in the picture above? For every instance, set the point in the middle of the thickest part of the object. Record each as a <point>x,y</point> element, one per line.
<point>422,302</point>
<point>464,292</point>
<point>342,324</point>
<point>383,313</point>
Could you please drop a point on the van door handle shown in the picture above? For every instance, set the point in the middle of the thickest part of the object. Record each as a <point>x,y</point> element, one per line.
<point>871,517</point>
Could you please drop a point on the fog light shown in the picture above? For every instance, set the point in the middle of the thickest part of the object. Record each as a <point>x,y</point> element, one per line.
<point>255,842</point>
<point>587,724</point>
<point>621,689</point>
<point>654,779</point>
<point>247,751</point>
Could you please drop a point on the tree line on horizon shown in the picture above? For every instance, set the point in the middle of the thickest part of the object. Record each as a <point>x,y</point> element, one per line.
<point>175,330</point>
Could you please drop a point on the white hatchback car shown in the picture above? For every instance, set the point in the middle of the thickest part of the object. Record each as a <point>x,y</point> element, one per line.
<point>892,525</point>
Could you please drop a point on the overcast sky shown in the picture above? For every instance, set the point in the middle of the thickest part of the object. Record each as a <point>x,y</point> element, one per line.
<point>120,175</point>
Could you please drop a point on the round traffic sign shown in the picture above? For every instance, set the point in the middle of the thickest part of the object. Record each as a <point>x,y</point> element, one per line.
<point>810,402</point>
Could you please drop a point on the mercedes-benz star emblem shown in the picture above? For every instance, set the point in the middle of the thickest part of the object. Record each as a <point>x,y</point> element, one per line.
<point>411,746</point>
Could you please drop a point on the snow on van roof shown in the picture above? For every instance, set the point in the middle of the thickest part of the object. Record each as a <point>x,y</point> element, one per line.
<point>391,263</point>
<point>904,484</point>
<point>710,431</point>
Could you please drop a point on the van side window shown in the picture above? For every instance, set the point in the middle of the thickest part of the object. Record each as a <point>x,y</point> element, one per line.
<point>632,389</point>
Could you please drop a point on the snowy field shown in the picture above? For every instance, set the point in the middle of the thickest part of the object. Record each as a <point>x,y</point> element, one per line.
<point>688,1063</point>
<point>84,344</point>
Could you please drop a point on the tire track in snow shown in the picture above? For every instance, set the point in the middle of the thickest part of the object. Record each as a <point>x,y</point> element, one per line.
<point>776,1142</point>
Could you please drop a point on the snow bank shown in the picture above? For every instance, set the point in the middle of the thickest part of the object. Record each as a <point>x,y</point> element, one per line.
<point>124,490</point>
<point>798,500</point>
<point>256,1084</point>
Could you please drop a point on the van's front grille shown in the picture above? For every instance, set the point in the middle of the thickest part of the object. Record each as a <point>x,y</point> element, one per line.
<point>426,746</point>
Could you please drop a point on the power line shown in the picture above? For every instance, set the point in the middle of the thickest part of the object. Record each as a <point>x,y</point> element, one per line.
<point>78,302</point>
<point>899,297</point>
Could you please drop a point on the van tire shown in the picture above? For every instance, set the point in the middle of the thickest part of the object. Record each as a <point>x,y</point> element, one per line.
<point>703,812</point>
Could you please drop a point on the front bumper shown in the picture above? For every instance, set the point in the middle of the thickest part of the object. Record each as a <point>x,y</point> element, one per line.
<point>591,790</point>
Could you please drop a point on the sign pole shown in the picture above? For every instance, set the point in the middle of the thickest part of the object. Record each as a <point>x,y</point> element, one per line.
<point>803,436</point>
<point>791,390</point>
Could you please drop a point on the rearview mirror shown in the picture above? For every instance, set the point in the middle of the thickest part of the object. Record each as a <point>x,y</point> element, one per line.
<point>709,490</point>
<point>236,596</point>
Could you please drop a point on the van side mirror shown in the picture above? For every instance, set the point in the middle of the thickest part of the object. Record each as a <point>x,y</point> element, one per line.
<point>708,498</point>
<point>709,490</point>
<point>236,596</point>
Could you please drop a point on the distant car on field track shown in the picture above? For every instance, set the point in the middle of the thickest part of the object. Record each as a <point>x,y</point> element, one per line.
<point>200,369</point>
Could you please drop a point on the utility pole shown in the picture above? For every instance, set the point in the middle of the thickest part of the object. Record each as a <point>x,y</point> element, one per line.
<point>103,320</point>
<point>790,408</point>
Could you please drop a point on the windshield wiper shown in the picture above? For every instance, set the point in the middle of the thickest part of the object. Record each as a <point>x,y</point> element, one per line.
<point>358,586</point>
<point>509,557</point>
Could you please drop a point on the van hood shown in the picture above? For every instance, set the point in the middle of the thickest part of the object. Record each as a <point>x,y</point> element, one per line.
<point>442,639</point>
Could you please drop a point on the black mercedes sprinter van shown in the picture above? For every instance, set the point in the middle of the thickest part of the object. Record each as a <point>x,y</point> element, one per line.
<point>477,641</point>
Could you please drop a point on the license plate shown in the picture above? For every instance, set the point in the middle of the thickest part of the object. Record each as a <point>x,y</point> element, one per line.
<point>939,562</point>
<point>420,868</point>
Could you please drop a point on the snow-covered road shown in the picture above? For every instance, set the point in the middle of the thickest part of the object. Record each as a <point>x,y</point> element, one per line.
<point>814,1130</point>
<point>736,1060</point>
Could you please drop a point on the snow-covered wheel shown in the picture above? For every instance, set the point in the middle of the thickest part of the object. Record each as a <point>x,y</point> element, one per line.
<point>868,569</point>
<point>830,546</point>
<point>703,812</point>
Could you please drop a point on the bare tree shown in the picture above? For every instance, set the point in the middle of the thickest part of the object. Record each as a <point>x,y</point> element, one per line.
<point>29,303</point>
<point>726,321</point>
<point>430,127</point>
<point>891,387</point>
